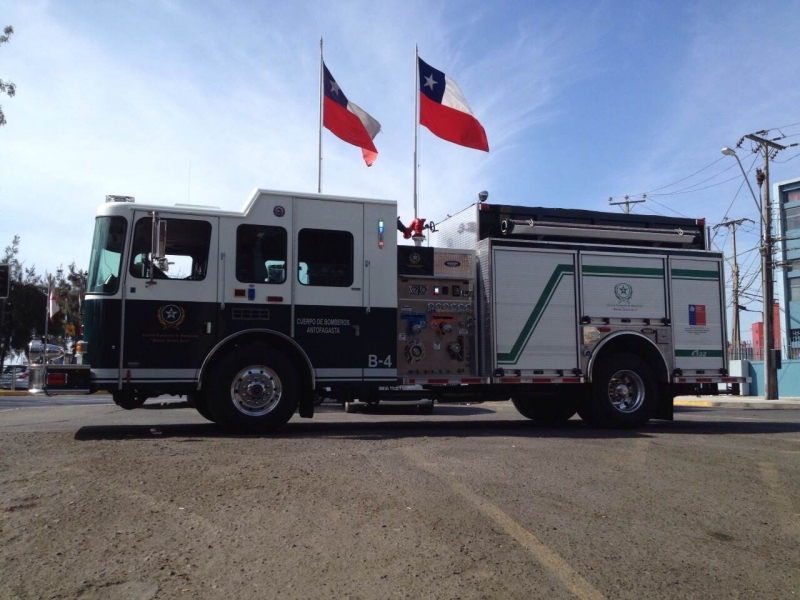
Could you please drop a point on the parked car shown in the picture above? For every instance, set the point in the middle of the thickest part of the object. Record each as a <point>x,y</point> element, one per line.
<point>16,375</point>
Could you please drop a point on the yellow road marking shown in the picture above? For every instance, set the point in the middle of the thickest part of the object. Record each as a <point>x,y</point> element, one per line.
<point>702,403</point>
<point>556,565</point>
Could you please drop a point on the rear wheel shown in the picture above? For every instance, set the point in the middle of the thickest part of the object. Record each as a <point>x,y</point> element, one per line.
<point>426,409</point>
<point>546,409</point>
<point>253,389</point>
<point>624,392</point>
<point>128,399</point>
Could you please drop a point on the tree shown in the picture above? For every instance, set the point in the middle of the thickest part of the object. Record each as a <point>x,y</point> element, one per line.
<point>24,313</point>
<point>6,87</point>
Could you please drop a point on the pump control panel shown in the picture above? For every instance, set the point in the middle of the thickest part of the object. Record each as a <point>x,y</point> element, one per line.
<point>436,317</point>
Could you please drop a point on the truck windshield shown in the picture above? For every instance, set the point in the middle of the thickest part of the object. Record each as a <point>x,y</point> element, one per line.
<point>109,240</point>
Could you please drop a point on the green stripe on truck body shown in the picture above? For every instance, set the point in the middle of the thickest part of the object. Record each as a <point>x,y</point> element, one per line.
<point>550,287</point>
<point>695,274</point>
<point>601,271</point>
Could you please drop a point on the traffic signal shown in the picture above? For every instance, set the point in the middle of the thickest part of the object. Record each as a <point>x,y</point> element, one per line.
<point>5,281</point>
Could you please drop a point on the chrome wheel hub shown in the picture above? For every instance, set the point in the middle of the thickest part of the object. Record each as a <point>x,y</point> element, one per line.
<point>626,391</point>
<point>256,390</point>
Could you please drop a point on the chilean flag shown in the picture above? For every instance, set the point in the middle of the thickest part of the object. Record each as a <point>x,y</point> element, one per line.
<point>53,309</point>
<point>347,121</point>
<point>445,112</point>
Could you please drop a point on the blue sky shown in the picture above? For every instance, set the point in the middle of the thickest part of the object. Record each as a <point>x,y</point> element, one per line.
<point>580,101</point>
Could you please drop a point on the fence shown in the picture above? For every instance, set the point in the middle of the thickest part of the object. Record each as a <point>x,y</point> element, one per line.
<point>790,352</point>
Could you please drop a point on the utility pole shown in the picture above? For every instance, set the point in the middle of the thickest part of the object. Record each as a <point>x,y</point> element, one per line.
<point>737,332</point>
<point>627,202</point>
<point>770,371</point>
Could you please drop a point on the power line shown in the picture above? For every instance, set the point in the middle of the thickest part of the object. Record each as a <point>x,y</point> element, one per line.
<point>699,182</point>
<point>781,127</point>
<point>679,180</point>
<point>787,160</point>
<point>668,208</point>
<point>690,191</point>
<point>736,195</point>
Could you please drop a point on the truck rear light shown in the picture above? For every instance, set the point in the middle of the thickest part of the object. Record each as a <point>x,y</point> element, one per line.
<point>82,347</point>
<point>56,378</point>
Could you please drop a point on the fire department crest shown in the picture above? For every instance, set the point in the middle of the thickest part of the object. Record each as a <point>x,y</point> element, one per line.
<point>171,316</point>
<point>623,292</point>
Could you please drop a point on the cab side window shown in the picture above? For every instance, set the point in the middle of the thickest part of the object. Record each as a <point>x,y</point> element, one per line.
<point>325,257</point>
<point>261,254</point>
<point>187,250</point>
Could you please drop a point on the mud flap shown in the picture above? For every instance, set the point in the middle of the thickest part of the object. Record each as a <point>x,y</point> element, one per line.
<point>665,406</point>
<point>306,404</point>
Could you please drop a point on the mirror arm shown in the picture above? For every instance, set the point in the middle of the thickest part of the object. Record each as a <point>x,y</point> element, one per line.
<point>153,247</point>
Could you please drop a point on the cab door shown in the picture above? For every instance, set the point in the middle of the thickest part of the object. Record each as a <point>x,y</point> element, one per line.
<point>328,280</point>
<point>170,307</point>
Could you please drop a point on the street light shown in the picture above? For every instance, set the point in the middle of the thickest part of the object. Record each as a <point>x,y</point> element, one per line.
<point>730,152</point>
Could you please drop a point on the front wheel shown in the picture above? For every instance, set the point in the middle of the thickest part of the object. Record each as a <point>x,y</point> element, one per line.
<point>253,389</point>
<point>551,410</point>
<point>624,392</point>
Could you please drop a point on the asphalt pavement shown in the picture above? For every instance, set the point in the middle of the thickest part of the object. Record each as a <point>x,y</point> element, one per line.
<point>473,501</point>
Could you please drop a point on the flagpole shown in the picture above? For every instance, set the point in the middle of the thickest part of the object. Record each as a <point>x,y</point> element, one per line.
<point>46,329</point>
<point>321,96</point>
<point>416,123</point>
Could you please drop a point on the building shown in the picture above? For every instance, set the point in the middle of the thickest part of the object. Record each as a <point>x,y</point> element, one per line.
<point>758,333</point>
<point>786,195</point>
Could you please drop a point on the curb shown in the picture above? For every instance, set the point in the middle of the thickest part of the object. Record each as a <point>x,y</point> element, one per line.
<point>13,393</point>
<point>734,404</point>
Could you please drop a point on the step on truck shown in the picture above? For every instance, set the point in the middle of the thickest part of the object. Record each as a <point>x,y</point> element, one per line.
<point>256,314</point>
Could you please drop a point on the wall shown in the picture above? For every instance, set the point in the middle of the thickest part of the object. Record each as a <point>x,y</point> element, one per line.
<point>788,378</point>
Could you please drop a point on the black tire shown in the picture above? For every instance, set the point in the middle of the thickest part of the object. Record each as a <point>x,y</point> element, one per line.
<point>254,389</point>
<point>548,409</point>
<point>426,409</point>
<point>128,399</point>
<point>624,392</point>
<point>199,401</point>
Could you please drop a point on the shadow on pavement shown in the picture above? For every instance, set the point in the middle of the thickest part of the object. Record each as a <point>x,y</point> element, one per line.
<point>392,430</point>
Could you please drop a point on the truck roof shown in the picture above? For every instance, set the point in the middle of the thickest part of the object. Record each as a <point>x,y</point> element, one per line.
<point>120,207</point>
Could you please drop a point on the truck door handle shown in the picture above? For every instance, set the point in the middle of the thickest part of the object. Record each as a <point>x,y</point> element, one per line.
<point>357,329</point>
<point>208,326</point>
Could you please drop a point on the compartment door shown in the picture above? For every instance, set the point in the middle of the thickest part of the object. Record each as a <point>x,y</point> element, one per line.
<point>534,310</point>
<point>697,318</point>
<point>623,286</point>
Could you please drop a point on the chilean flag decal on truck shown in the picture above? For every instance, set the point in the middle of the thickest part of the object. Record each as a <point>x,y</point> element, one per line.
<point>445,112</point>
<point>697,315</point>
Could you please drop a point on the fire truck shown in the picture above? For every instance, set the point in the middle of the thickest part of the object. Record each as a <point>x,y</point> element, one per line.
<point>255,314</point>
